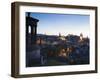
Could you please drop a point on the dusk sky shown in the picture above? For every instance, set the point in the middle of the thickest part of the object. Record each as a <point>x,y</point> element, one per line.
<point>53,24</point>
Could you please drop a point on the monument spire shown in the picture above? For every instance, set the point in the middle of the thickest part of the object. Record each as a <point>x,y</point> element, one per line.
<point>29,14</point>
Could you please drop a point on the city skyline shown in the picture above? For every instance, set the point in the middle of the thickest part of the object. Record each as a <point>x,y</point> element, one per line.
<point>53,24</point>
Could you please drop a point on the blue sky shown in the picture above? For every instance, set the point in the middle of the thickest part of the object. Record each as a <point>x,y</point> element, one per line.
<point>53,24</point>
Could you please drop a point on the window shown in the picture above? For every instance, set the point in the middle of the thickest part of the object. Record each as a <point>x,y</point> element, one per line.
<point>29,29</point>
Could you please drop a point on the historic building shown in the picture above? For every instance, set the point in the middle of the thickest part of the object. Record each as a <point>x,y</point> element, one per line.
<point>31,32</point>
